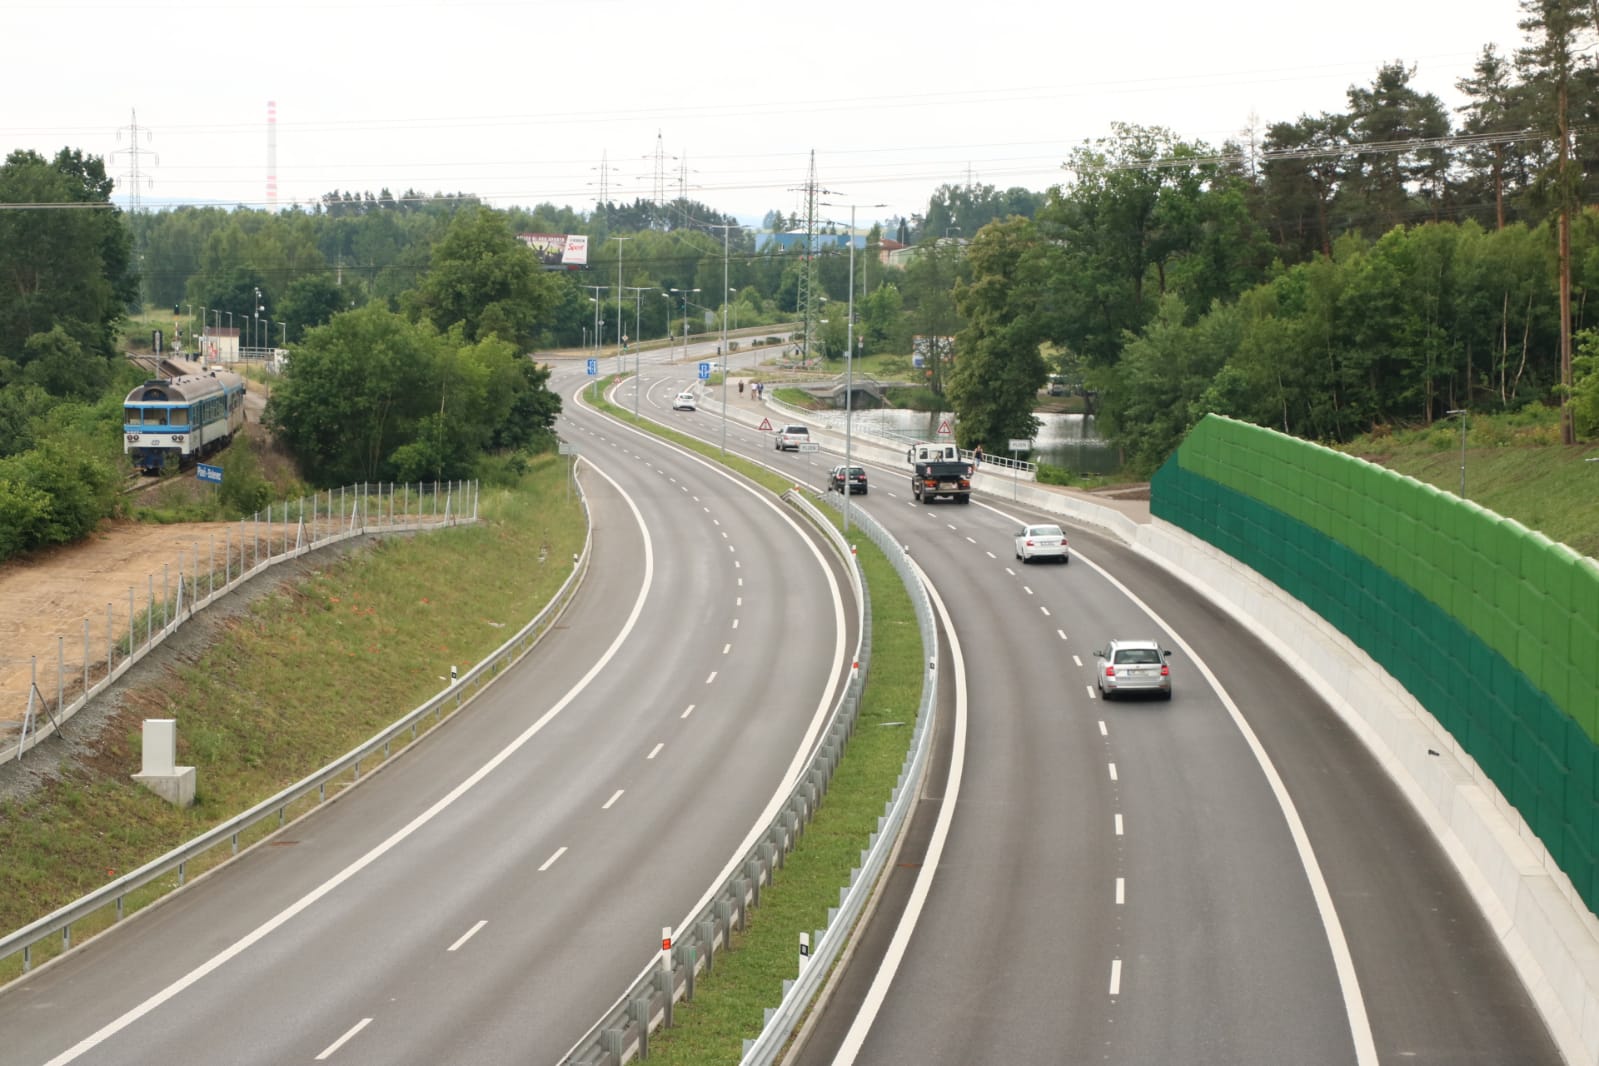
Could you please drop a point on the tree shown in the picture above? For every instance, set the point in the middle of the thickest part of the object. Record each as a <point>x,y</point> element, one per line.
<point>929,292</point>
<point>1492,167</point>
<point>999,367</point>
<point>1380,185</point>
<point>1303,172</point>
<point>65,268</point>
<point>486,280</point>
<point>310,301</point>
<point>1556,33</point>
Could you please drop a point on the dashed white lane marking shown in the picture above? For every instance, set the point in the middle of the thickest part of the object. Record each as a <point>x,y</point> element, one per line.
<point>971,540</point>
<point>1121,891</point>
<point>553,859</point>
<point>735,623</point>
<point>1062,634</point>
<point>467,935</point>
<point>1027,589</point>
<point>614,797</point>
<point>1113,776</point>
<point>1076,661</point>
<point>327,1053</point>
<point>950,526</point>
<point>656,750</point>
<point>687,711</point>
<point>1102,730</point>
<point>738,601</point>
<point>1091,693</point>
<point>716,521</point>
<point>708,680</point>
<point>1009,571</point>
<point>1119,825</point>
<point>991,555</point>
<point>726,648</point>
<point>1041,607</point>
<point>724,534</point>
<point>1115,976</point>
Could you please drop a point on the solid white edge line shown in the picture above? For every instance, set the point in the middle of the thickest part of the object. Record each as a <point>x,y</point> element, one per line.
<point>468,935</point>
<point>251,938</point>
<point>892,958</point>
<point>1343,962</point>
<point>340,1042</point>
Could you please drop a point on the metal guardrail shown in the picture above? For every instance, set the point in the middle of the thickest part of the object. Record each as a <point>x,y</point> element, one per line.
<point>114,894</point>
<point>356,510</point>
<point>799,993</point>
<point>624,1031</point>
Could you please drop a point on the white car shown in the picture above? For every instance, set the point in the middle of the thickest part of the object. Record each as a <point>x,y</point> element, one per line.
<point>1042,541</point>
<point>1132,666</point>
<point>684,401</point>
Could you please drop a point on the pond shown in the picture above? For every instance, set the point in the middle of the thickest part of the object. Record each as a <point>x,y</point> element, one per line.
<point>1063,440</point>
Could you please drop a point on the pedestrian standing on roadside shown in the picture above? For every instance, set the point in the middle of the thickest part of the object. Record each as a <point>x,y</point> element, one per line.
<point>977,454</point>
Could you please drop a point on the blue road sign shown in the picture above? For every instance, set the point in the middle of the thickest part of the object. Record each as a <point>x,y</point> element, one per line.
<point>208,473</point>
<point>594,367</point>
<point>705,371</point>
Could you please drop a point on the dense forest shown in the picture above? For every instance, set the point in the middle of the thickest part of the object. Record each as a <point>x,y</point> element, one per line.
<point>1389,262</point>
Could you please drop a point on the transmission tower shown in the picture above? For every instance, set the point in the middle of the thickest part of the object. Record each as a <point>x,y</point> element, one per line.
<point>660,177</point>
<point>809,305</point>
<point>272,156</point>
<point>136,181</point>
<point>134,150</point>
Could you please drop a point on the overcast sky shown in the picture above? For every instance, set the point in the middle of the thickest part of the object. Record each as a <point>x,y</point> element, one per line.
<point>521,102</point>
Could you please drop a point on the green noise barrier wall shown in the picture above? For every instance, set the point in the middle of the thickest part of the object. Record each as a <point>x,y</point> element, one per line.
<point>1490,626</point>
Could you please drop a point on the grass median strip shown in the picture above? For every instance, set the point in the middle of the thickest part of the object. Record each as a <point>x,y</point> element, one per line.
<point>730,1003</point>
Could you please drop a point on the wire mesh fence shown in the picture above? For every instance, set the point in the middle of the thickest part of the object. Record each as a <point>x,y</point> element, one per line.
<point>42,690</point>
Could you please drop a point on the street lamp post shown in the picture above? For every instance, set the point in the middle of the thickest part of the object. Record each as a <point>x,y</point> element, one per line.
<point>638,337</point>
<point>849,362</point>
<point>1460,412</point>
<point>621,342</point>
<point>256,327</point>
<point>726,359</point>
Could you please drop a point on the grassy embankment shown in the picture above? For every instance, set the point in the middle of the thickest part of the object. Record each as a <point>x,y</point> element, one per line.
<point>299,680</point>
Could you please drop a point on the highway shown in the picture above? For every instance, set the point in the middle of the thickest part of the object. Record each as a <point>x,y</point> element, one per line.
<point>1227,878</point>
<point>485,897</point>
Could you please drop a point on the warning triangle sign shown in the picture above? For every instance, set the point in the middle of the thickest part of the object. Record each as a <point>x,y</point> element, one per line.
<point>766,424</point>
<point>943,428</point>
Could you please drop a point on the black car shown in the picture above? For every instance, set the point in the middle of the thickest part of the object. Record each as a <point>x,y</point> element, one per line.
<point>857,479</point>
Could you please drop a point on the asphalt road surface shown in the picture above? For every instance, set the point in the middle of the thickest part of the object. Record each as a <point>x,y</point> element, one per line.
<point>489,894</point>
<point>1227,878</point>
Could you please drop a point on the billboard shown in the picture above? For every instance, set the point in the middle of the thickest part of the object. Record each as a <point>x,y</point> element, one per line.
<point>559,251</point>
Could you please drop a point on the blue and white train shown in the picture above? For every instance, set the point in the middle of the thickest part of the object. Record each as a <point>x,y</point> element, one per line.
<point>181,419</point>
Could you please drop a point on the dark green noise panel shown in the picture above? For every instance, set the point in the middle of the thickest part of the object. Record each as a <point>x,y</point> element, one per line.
<point>1542,758</point>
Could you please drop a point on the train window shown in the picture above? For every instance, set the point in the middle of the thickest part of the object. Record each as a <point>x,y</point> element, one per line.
<point>180,416</point>
<point>130,416</point>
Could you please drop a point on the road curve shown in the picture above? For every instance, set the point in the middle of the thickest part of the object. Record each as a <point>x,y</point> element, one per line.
<point>487,895</point>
